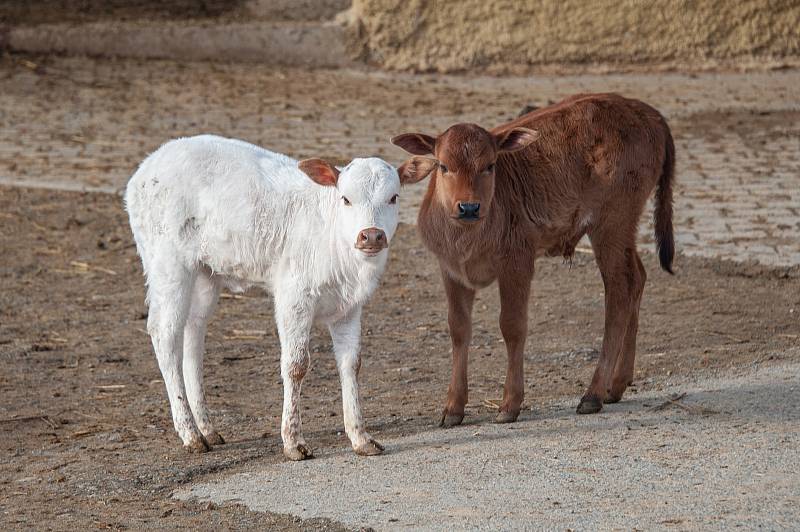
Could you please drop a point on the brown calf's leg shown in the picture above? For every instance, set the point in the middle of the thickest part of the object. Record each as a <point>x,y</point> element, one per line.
<point>619,272</point>
<point>623,373</point>
<point>514,294</point>
<point>459,319</point>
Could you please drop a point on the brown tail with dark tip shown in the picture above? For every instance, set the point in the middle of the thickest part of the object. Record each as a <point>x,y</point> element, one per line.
<point>662,218</point>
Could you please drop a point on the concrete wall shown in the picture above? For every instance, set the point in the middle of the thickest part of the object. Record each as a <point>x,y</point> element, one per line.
<point>453,35</point>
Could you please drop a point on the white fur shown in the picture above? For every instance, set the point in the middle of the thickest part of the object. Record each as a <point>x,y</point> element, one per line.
<point>209,212</point>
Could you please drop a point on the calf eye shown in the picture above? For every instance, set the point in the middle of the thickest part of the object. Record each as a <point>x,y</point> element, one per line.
<point>443,168</point>
<point>490,168</point>
<point>345,200</point>
<point>393,200</point>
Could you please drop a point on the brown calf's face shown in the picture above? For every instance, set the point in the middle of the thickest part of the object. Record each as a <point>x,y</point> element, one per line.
<point>464,165</point>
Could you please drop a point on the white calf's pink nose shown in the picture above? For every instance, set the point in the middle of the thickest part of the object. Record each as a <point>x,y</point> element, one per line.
<point>372,239</point>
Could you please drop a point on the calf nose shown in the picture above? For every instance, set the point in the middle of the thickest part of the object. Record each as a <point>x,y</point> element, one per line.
<point>468,211</point>
<point>372,239</point>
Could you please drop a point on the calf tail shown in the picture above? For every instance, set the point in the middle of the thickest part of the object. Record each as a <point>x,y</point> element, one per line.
<point>662,218</point>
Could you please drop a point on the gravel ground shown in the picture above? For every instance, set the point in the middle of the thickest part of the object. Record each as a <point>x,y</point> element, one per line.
<point>723,455</point>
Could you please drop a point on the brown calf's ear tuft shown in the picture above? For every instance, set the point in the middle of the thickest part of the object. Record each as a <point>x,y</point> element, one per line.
<point>320,171</point>
<point>516,139</point>
<point>415,169</point>
<point>415,143</point>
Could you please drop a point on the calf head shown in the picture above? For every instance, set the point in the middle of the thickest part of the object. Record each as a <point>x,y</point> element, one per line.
<point>465,156</point>
<point>366,207</point>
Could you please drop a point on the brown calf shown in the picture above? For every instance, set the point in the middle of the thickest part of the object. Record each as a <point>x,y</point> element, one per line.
<point>534,186</point>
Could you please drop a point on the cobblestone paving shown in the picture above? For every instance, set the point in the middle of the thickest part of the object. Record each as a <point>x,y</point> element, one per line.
<point>739,197</point>
<point>82,123</point>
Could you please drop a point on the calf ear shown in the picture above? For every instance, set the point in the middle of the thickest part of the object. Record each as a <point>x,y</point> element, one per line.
<point>415,169</point>
<point>321,172</point>
<point>415,143</point>
<point>516,139</point>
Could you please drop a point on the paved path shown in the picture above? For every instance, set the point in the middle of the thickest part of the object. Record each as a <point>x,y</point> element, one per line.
<point>87,123</point>
<point>727,455</point>
<point>739,192</point>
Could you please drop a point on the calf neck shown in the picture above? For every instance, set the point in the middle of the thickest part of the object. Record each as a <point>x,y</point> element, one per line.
<point>498,199</point>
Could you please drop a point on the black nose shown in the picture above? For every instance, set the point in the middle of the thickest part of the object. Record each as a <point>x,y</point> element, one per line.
<point>468,211</point>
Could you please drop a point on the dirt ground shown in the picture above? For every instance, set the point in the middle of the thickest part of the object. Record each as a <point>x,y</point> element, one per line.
<point>85,430</point>
<point>85,434</point>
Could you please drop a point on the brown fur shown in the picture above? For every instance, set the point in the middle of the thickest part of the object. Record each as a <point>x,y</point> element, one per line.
<point>595,162</point>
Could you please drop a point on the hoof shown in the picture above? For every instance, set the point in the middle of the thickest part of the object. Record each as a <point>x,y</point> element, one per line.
<point>197,445</point>
<point>370,448</point>
<point>590,404</point>
<point>215,438</point>
<point>450,420</point>
<point>299,452</point>
<point>506,417</point>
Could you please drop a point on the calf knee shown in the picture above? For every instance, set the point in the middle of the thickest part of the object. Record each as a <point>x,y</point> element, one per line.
<point>352,364</point>
<point>296,368</point>
<point>460,333</point>
<point>635,273</point>
<point>196,321</point>
<point>152,322</point>
<point>514,329</point>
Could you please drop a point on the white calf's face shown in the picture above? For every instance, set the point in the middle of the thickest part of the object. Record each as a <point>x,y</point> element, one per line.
<point>367,207</point>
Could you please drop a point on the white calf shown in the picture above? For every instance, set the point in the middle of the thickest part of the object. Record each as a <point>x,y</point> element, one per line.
<point>209,212</point>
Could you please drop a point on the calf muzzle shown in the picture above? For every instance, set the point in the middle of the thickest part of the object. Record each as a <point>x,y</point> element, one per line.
<point>371,241</point>
<point>469,211</point>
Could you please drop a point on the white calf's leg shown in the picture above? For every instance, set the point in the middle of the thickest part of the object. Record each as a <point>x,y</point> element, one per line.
<point>294,318</point>
<point>205,294</point>
<point>169,292</point>
<point>346,335</point>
